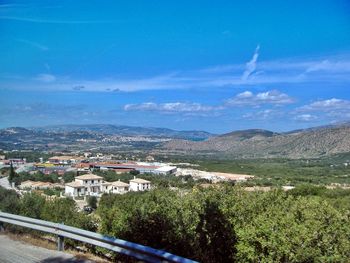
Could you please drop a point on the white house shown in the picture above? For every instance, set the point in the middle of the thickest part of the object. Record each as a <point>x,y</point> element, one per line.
<point>118,187</point>
<point>87,184</point>
<point>138,184</point>
<point>75,189</point>
<point>91,184</point>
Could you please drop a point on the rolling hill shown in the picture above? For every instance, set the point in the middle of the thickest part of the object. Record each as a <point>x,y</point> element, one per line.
<point>314,142</point>
<point>122,130</point>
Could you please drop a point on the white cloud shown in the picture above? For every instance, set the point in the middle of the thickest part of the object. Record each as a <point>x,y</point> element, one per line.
<point>251,65</point>
<point>47,21</point>
<point>332,70</point>
<point>329,66</point>
<point>33,44</point>
<point>245,94</point>
<point>326,105</point>
<point>170,107</point>
<point>247,98</point>
<point>333,110</point>
<point>263,115</point>
<point>305,117</point>
<point>45,78</point>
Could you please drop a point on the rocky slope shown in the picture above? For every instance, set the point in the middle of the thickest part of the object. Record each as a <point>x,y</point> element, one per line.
<point>308,143</point>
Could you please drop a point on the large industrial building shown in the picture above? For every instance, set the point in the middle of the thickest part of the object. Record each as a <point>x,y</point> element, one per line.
<point>153,168</point>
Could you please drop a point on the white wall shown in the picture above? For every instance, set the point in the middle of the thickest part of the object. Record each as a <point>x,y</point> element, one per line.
<point>139,187</point>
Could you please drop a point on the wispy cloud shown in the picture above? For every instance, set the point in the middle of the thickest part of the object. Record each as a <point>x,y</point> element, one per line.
<point>244,99</point>
<point>332,70</point>
<point>305,118</point>
<point>47,78</point>
<point>331,109</point>
<point>329,66</point>
<point>49,21</point>
<point>44,108</point>
<point>170,107</point>
<point>326,105</point>
<point>251,65</point>
<point>266,114</point>
<point>33,44</point>
<point>248,98</point>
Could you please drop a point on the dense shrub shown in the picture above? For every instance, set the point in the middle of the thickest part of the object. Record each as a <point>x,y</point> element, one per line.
<point>216,224</point>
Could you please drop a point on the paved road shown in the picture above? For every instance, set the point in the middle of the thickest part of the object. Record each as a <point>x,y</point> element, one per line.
<point>18,252</point>
<point>4,182</point>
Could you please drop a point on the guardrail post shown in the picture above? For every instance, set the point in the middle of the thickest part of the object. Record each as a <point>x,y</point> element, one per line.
<point>2,229</point>
<point>60,243</point>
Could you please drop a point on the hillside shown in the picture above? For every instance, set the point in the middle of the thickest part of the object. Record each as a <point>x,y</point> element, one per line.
<point>109,129</point>
<point>315,142</point>
<point>98,137</point>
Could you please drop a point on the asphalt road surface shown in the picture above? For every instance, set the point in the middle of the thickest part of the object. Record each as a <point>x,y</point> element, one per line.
<point>12,251</point>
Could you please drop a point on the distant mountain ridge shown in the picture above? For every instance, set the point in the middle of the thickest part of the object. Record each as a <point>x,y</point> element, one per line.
<point>110,129</point>
<point>308,143</point>
<point>253,143</point>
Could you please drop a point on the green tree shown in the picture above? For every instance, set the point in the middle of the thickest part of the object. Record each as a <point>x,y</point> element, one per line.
<point>31,205</point>
<point>9,201</point>
<point>12,175</point>
<point>216,237</point>
<point>92,202</point>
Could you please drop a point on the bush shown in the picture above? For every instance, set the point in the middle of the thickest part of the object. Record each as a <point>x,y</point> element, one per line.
<point>92,202</point>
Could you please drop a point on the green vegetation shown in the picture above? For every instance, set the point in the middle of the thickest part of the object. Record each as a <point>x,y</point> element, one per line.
<point>278,172</point>
<point>92,202</point>
<point>157,180</point>
<point>13,176</point>
<point>68,177</point>
<point>30,156</point>
<point>217,224</point>
<point>53,191</point>
<point>231,225</point>
<point>38,176</point>
<point>59,210</point>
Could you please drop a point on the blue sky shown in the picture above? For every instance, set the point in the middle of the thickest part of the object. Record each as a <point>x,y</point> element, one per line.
<point>216,66</point>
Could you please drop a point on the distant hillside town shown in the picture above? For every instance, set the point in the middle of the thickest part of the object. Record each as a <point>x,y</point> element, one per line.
<point>79,176</point>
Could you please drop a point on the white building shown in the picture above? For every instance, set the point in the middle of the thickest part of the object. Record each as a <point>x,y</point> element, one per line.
<point>165,170</point>
<point>75,189</point>
<point>91,184</point>
<point>138,184</point>
<point>87,184</point>
<point>117,187</point>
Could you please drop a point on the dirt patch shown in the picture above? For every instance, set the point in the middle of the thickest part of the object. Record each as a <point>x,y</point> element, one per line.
<point>234,177</point>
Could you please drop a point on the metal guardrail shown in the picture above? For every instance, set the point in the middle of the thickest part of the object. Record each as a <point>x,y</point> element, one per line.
<point>62,231</point>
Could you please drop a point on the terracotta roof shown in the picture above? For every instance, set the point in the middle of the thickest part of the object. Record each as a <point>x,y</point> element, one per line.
<point>89,177</point>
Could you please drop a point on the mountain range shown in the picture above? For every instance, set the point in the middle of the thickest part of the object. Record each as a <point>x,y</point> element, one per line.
<point>253,143</point>
<point>122,130</point>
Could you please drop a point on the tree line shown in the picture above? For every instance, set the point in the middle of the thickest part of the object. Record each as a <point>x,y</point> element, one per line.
<point>215,224</point>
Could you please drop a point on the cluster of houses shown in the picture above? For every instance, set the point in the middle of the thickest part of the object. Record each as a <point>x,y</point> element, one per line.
<point>94,185</point>
<point>37,185</point>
